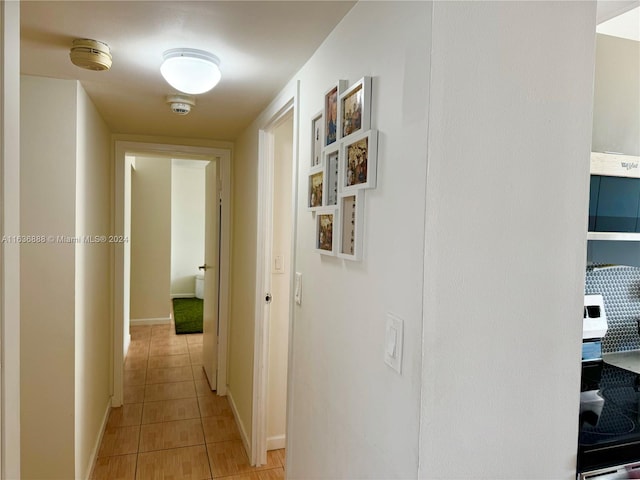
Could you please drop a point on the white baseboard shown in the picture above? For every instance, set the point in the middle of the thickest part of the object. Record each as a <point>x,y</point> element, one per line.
<point>243,431</point>
<point>183,295</point>
<point>149,321</point>
<point>94,453</point>
<point>276,442</point>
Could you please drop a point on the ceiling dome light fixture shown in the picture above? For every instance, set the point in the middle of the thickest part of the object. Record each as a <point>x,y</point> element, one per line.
<point>90,54</point>
<point>191,71</point>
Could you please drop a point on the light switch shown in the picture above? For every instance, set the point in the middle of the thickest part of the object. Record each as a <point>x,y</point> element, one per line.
<point>394,333</point>
<point>278,264</point>
<point>298,288</point>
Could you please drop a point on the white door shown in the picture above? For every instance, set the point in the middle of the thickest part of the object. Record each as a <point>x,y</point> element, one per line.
<point>211,273</point>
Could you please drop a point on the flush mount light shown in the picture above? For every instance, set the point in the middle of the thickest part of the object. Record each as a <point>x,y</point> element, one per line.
<point>90,54</point>
<point>190,71</point>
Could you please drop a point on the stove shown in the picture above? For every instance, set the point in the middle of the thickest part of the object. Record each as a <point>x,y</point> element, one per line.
<point>609,424</point>
<point>609,439</point>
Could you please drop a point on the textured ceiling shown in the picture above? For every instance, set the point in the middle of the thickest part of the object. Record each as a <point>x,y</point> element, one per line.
<point>260,44</point>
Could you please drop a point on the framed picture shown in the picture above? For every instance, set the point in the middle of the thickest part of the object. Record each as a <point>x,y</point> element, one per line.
<point>331,117</point>
<point>332,171</point>
<point>316,188</point>
<point>359,161</point>
<point>317,138</point>
<point>351,217</point>
<point>326,230</point>
<point>354,108</point>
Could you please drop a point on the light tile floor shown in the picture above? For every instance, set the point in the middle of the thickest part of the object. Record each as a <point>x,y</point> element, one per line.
<point>171,425</point>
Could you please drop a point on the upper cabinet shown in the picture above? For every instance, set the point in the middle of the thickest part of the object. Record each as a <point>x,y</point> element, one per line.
<point>616,111</point>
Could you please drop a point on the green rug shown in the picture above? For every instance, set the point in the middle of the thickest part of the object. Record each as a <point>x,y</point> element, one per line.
<point>187,315</point>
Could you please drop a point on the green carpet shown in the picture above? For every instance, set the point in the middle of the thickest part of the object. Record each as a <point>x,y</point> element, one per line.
<point>187,315</point>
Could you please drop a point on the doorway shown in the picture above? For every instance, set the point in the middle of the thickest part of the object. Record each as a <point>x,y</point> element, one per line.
<point>274,285</point>
<point>220,183</point>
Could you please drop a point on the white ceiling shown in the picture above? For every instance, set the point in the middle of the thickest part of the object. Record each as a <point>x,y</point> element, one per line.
<point>626,25</point>
<point>261,45</point>
<point>607,9</point>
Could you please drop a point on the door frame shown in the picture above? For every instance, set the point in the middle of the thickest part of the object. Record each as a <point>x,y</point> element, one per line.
<point>120,310</point>
<point>266,158</point>
<point>10,252</point>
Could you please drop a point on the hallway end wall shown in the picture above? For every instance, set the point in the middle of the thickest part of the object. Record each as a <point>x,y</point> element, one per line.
<point>187,225</point>
<point>151,239</point>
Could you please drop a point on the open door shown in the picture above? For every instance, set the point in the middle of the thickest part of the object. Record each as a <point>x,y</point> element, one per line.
<point>211,269</point>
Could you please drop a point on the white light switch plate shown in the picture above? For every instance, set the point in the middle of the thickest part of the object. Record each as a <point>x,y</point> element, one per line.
<point>278,264</point>
<point>393,339</point>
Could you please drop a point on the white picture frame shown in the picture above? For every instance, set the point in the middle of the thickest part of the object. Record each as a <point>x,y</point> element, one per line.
<point>351,225</point>
<point>317,138</point>
<point>354,108</point>
<point>327,230</point>
<point>316,188</point>
<point>359,157</point>
<point>331,161</point>
<point>331,122</point>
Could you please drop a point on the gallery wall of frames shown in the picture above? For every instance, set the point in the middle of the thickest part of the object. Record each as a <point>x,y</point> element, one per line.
<point>343,166</point>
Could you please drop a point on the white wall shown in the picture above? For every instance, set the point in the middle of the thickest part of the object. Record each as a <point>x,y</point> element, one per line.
<point>243,276</point>
<point>47,202</point>
<point>499,220</point>
<point>348,405</point>
<point>507,196</point>
<point>93,282</point>
<point>187,224</point>
<point>10,253</point>
<point>280,287</point>
<point>616,114</point>
<point>151,238</point>
<point>65,287</point>
<point>350,415</point>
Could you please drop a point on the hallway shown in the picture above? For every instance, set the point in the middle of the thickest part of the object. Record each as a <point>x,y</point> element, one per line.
<point>171,425</point>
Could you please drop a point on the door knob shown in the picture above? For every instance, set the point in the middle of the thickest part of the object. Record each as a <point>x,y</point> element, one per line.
<point>204,267</point>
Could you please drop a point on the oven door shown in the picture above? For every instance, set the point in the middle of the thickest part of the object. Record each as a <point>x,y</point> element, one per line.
<point>630,470</point>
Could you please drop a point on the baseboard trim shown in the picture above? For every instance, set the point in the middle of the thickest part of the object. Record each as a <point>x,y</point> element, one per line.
<point>243,431</point>
<point>149,321</point>
<point>276,442</point>
<point>183,295</point>
<point>94,453</point>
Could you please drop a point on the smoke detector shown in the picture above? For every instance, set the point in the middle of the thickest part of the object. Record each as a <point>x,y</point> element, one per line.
<point>90,54</point>
<point>181,104</point>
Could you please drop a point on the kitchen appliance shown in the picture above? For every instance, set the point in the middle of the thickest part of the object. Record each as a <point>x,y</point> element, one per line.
<point>594,328</point>
<point>609,426</point>
<point>614,197</point>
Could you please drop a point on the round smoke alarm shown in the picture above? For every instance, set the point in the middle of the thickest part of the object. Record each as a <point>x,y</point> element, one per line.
<point>181,104</point>
<point>90,54</point>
